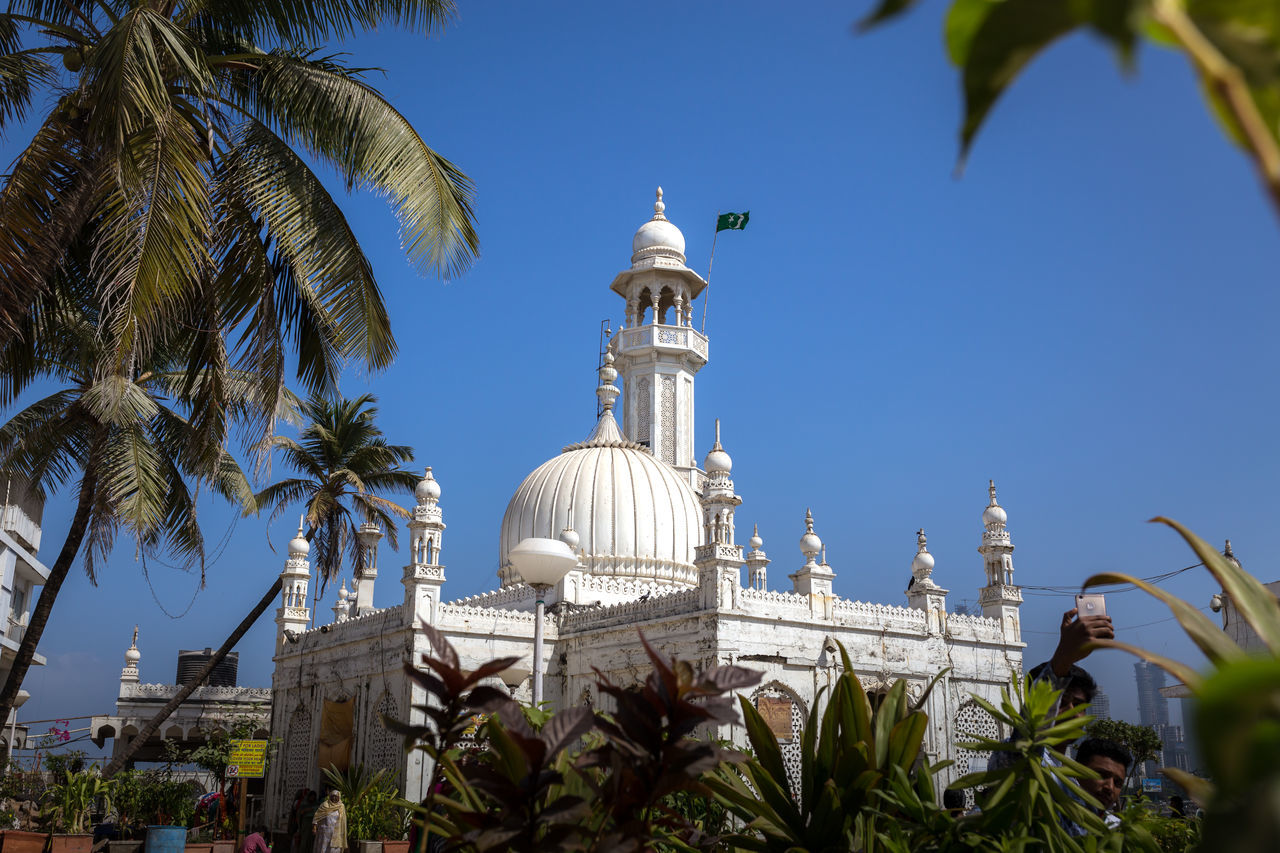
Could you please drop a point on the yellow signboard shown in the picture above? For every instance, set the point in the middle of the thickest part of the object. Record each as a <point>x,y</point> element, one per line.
<point>248,759</point>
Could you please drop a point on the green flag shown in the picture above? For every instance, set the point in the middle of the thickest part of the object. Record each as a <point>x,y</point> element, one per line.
<point>732,221</point>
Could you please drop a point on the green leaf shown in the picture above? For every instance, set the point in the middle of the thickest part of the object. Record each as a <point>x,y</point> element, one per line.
<point>1009,36</point>
<point>887,10</point>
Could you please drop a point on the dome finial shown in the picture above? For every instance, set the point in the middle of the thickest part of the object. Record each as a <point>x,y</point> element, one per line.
<point>718,461</point>
<point>922,564</point>
<point>659,207</point>
<point>755,542</point>
<point>427,490</point>
<point>810,544</point>
<point>1231,557</point>
<point>606,391</point>
<point>994,517</point>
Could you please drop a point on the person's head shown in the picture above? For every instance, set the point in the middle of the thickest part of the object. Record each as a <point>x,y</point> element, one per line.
<point>335,797</point>
<point>1111,762</point>
<point>311,796</point>
<point>952,800</point>
<point>261,829</point>
<point>1079,689</point>
<point>1177,805</point>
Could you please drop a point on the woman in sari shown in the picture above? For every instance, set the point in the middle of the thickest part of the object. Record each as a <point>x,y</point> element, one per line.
<point>330,825</point>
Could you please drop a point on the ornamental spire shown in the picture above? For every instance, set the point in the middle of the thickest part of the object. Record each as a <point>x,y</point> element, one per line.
<point>659,207</point>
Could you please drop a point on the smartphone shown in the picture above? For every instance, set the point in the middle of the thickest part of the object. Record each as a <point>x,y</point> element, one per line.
<point>1091,604</point>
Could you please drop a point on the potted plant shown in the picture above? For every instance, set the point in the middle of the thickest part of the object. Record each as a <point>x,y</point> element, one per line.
<point>23,793</point>
<point>71,801</point>
<point>170,805</point>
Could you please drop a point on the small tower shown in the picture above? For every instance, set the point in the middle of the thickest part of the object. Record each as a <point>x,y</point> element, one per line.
<point>424,576</point>
<point>718,499</point>
<point>757,562</point>
<point>1000,598</point>
<point>131,658</point>
<point>719,561</point>
<point>368,535</point>
<point>922,592</point>
<point>293,615</point>
<point>659,352</point>
<point>813,578</point>
<point>341,607</point>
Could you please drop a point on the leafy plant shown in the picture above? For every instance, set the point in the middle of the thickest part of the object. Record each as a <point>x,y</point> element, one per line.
<point>1237,704</point>
<point>847,753</point>
<point>1233,46</point>
<point>72,799</point>
<point>373,803</point>
<point>580,780</point>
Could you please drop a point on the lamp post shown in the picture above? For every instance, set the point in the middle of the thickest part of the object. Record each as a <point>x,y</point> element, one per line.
<point>542,563</point>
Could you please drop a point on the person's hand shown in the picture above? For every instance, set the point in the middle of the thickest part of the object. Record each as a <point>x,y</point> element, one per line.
<point>1075,634</point>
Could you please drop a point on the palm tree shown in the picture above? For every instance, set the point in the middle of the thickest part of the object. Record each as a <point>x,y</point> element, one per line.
<point>119,429</point>
<point>342,457</point>
<point>343,460</point>
<point>173,156</point>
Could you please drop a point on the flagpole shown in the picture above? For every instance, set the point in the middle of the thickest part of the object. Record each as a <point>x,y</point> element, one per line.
<point>710,263</point>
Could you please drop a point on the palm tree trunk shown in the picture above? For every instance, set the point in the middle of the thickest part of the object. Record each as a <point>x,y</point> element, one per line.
<point>123,757</point>
<point>49,592</point>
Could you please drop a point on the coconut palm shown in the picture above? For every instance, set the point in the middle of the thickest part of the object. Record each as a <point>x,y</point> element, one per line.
<point>122,431</point>
<point>173,155</point>
<point>343,460</point>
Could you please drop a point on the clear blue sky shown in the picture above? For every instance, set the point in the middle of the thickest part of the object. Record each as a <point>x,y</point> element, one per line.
<point>1084,315</point>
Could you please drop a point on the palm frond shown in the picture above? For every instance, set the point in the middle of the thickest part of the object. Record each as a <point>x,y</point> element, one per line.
<point>313,104</point>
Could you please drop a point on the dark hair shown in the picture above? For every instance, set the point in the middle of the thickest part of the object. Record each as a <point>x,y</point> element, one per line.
<point>1106,748</point>
<point>1076,677</point>
<point>952,799</point>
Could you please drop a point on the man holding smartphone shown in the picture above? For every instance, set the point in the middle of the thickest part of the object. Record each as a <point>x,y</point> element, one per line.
<point>1075,633</point>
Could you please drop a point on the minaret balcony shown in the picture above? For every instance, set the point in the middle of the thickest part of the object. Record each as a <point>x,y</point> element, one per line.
<point>675,339</point>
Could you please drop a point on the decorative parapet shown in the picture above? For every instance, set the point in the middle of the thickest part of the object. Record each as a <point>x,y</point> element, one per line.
<point>515,594</point>
<point>868,614</point>
<point>626,566</point>
<point>657,606</point>
<point>974,626</point>
<point>777,602</point>
<point>200,694</point>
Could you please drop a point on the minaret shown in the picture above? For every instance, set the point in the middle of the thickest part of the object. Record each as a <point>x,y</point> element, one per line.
<point>757,562</point>
<point>368,535</point>
<point>658,350</point>
<point>718,499</point>
<point>424,576</point>
<point>1000,598</point>
<point>813,578</point>
<point>719,561</point>
<point>922,592</point>
<point>293,615</point>
<point>131,658</point>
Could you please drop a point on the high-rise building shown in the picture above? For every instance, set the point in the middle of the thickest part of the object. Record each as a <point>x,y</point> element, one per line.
<point>1100,708</point>
<point>1153,709</point>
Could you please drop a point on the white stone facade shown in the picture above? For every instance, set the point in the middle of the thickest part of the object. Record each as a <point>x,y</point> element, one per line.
<point>655,538</point>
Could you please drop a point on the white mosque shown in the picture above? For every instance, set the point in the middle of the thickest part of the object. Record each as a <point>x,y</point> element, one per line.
<point>656,543</point>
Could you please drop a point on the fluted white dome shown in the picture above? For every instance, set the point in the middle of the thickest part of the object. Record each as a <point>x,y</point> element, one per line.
<point>634,515</point>
<point>994,514</point>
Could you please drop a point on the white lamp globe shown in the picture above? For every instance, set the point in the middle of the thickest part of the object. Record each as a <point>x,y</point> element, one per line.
<point>542,562</point>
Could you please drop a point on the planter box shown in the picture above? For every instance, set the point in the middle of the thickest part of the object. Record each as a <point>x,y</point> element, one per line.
<point>395,846</point>
<point>70,843</point>
<point>224,847</point>
<point>368,847</point>
<point>125,846</point>
<point>20,841</point>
